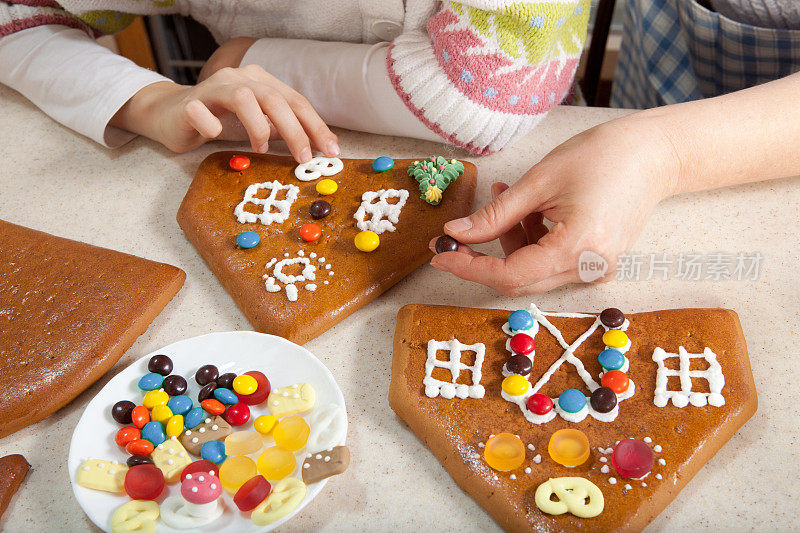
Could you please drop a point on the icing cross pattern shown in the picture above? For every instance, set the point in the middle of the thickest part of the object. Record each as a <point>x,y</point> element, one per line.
<point>267,215</point>
<point>448,390</point>
<point>568,356</point>
<point>308,274</point>
<point>383,215</point>
<point>681,398</point>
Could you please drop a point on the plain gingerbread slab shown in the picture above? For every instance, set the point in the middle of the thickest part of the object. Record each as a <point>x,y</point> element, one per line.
<point>454,429</point>
<point>68,311</point>
<point>13,469</point>
<point>207,217</point>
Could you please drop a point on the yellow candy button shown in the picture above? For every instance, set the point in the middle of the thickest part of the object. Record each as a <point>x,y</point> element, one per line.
<point>366,241</point>
<point>615,338</point>
<point>327,187</point>
<point>245,384</point>
<point>276,463</point>
<point>504,452</point>
<point>515,385</point>
<point>569,447</point>
<point>155,397</point>
<point>175,426</point>
<point>264,424</point>
<point>161,413</point>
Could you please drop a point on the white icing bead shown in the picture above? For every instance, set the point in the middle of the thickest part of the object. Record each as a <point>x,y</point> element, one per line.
<point>528,470</point>
<point>612,480</point>
<point>657,448</point>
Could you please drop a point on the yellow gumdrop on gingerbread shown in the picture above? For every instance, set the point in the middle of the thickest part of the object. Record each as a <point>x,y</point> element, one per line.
<point>504,452</point>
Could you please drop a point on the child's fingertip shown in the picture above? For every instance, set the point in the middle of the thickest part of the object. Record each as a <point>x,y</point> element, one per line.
<point>263,148</point>
<point>305,155</point>
<point>332,148</point>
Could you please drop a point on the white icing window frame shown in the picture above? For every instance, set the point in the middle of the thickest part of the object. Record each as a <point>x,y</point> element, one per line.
<point>383,215</point>
<point>449,390</point>
<point>685,396</point>
<point>266,217</point>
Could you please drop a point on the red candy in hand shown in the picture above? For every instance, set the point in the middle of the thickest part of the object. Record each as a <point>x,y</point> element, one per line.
<point>239,162</point>
<point>632,458</point>
<point>253,492</point>
<point>237,414</point>
<point>199,466</point>
<point>540,404</point>
<point>126,435</point>
<point>144,482</point>
<point>522,344</point>
<point>261,393</point>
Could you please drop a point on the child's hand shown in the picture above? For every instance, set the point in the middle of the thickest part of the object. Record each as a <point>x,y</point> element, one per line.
<point>598,188</point>
<point>183,118</point>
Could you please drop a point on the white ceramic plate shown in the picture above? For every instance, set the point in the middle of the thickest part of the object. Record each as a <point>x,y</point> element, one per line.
<point>283,362</point>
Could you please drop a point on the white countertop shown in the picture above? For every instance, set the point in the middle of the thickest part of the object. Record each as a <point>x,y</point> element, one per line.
<point>126,199</point>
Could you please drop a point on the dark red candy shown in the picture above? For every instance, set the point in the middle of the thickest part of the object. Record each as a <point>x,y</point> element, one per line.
<point>237,414</point>
<point>175,385</point>
<point>160,364</point>
<point>603,400</point>
<point>226,380</point>
<point>121,412</point>
<point>207,392</point>
<point>612,317</point>
<point>253,492</point>
<point>319,209</point>
<point>199,466</point>
<point>522,343</point>
<point>446,243</point>
<point>206,374</point>
<point>144,482</point>
<point>632,458</point>
<point>519,364</point>
<point>134,460</point>
<point>261,393</point>
<point>540,404</point>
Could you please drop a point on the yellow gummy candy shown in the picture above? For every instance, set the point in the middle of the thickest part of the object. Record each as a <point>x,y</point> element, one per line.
<point>264,424</point>
<point>161,413</point>
<point>615,338</point>
<point>504,452</point>
<point>291,433</point>
<point>243,443</point>
<point>175,426</point>
<point>569,447</point>
<point>155,397</point>
<point>245,384</point>
<point>235,471</point>
<point>276,463</point>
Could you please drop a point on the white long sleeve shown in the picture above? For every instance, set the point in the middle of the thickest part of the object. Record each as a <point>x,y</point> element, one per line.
<point>346,83</point>
<point>72,79</point>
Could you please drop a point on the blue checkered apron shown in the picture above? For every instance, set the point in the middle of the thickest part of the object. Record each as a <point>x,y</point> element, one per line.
<point>677,50</point>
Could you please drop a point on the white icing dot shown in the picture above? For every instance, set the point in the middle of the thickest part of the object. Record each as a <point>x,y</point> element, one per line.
<point>101,465</point>
<point>194,489</point>
<point>275,402</point>
<point>657,448</point>
<point>308,455</point>
<point>528,470</point>
<point>171,451</point>
<point>284,394</point>
<point>211,472</point>
<point>195,439</point>
<point>208,420</point>
<point>202,430</point>
<point>301,253</point>
<point>286,254</point>
<point>616,443</point>
<point>160,446</point>
<point>214,427</point>
<point>331,273</point>
<point>628,487</point>
<point>513,476</point>
<point>86,468</point>
<point>321,260</point>
<point>531,447</point>
<point>319,456</point>
<point>188,476</point>
<point>648,440</point>
<point>644,484</point>
<point>481,445</point>
<point>612,480</point>
<point>181,454</point>
<point>662,462</point>
<point>306,465</point>
<point>312,255</point>
<point>111,472</point>
<point>294,386</point>
<point>491,436</point>
<point>326,282</point>
<point>295,396</point>
<point>201,478</point>
<point>327,458</point>
<point>604,469</point>
<point>659,476</point>
<point>188,432</point>
<point>603,459</point>
<point>213,486</point>
<point>537,459</point>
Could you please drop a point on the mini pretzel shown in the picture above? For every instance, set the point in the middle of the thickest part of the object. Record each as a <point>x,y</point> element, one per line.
<point>318,166</point>
<point>137,516</point>
<point>572,493</point>
<point>286,496</point>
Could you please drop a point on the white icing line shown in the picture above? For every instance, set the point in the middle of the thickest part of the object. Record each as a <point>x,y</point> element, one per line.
<point>435,387</point>
<point>383,214</point>
<point>681,398</point>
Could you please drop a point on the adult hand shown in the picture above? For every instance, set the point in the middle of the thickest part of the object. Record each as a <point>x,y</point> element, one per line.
<point>598,189</point>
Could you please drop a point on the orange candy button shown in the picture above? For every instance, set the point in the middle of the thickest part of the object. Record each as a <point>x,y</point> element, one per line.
<point>212,406</point>
<point>504,452</point>
<point>615,380</point>
<point>310,232</point>
<point>569,447</point>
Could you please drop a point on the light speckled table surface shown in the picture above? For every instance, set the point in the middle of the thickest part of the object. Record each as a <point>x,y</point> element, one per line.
<point>126,199</point>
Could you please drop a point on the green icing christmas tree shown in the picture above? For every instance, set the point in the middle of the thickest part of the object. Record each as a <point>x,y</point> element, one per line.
<point>434,175</point>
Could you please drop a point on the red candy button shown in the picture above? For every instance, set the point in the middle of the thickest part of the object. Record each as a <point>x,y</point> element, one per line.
<point>140,416</point>
<point>139,447</point>
<point>310,232</point>
<point>261,393</point>
<point>522,344</point>
<point>238,414</point>
<point>540,404</point>
<point>239,162</point>
<point>126,435</point>
<point>199,466</point>
<point>213,406</point>
<point>615,380</point>
<point>632,458</point>
<point>144,482</point>
<point>253,492</point>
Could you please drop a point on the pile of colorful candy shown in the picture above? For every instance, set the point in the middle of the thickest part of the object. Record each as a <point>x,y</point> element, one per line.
<point>167,428</point>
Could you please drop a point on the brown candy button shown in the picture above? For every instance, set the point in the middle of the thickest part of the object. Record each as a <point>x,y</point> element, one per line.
<point>325,464</point>
<point>519,364</point>
<point>212,428</point>
<point>612,317</point>
<point>446,243</point>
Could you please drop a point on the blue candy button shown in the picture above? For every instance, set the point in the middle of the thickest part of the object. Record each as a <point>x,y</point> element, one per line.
<point>194,417</point>
<point>151,381</point>
<point>225,396</point>
<point>572,400</point>
<point>154,432</point>
<point>382,163</point>
<point>213,451</point>
<point>180,405</point>
<point>611,359</point>
<point>520,320</point>
<point>248,239</point>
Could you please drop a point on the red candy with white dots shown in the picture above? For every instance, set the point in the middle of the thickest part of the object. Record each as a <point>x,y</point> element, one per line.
<point>201,488</point>
<point>239,163</point>
<point>540,404</point>
<point>522,343</point>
